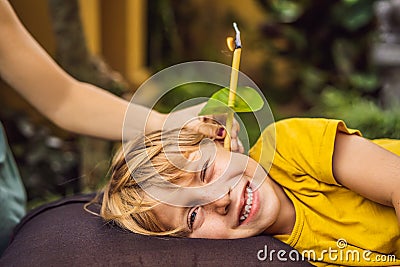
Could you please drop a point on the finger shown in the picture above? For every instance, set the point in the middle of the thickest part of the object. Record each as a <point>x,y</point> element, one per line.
<point>237,146</point>
<point>212,130</point>
<point>207,119</point>
<point>234,145</point>
<point>240,145</point>
<point>235,129</point>
<point>220,118</point>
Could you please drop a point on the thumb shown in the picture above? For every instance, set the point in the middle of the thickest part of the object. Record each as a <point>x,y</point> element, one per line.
<point>212,130</point>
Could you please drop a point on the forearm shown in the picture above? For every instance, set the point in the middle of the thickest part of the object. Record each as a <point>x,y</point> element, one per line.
<point>91,111</point>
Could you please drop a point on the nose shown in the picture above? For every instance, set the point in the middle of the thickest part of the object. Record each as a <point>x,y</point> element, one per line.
<point>220,206</point>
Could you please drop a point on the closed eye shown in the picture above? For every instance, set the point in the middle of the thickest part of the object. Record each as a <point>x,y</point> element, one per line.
<point>192,217</point>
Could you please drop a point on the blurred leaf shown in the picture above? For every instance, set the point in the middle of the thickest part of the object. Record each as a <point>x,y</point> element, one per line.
<point>312,77</point>
<point>353,15</point>
<point>313,80</point>
<point>247,100</point>
<point>351,2</point>
<point>287,10</point>
<point>364,81</point>
<point>344,54</point>
<point>359,113</point>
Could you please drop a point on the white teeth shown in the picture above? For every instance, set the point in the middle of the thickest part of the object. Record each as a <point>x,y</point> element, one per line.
<point>248,205</point>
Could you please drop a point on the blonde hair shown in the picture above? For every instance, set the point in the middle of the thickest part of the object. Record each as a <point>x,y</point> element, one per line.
<point>124,201</point>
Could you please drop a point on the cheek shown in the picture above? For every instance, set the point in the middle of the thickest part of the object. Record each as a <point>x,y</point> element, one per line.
<point>212,228</point>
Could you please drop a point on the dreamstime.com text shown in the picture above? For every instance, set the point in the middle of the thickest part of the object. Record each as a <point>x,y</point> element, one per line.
<point>339,254</point>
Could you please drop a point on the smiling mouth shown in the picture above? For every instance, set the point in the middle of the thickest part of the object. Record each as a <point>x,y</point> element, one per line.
<point>248,202</point>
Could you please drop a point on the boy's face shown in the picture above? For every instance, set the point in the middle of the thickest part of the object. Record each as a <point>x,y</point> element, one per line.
<point>246,210</point>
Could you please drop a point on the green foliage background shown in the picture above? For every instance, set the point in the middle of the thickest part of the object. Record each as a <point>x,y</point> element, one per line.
<point>329,43</point>
<point>325,49</point>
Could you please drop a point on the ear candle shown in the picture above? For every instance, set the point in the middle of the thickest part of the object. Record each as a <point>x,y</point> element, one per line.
<point>233,84</point>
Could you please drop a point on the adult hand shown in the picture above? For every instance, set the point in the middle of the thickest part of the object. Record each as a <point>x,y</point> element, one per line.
<point>211,126</point>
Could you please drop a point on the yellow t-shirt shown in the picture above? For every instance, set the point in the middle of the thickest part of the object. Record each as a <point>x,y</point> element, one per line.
<point>333,224</point>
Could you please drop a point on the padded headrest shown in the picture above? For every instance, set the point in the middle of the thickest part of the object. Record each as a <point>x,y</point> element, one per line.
<point>62,233</point>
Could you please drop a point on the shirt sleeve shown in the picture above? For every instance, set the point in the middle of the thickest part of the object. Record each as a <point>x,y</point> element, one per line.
<point>303,147</point>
